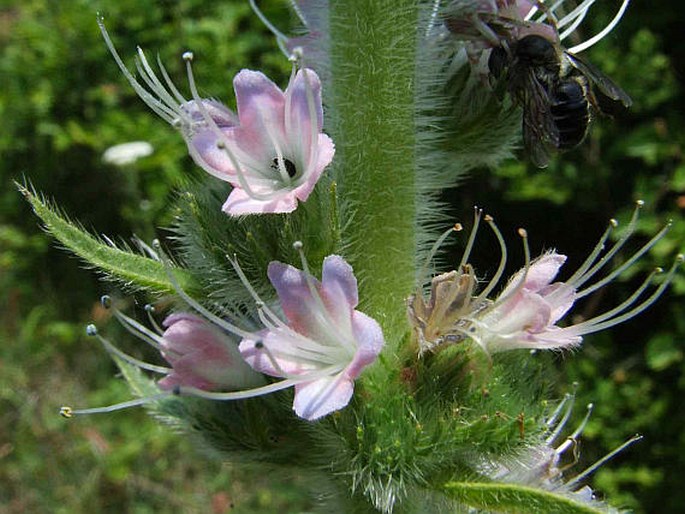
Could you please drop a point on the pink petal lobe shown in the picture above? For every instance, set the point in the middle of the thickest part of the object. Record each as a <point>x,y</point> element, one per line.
<point>258,97</point>
<point>325,153</point>
<point>318,398</point>
<point>369,337</point>
<point>239,203</point>
<point>296,298</point>
<point>339,289</point>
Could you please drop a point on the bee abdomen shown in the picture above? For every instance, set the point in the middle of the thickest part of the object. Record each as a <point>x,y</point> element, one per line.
<point>571,113</point>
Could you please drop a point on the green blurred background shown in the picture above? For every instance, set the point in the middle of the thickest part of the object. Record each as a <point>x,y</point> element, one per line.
<point>63,102</point>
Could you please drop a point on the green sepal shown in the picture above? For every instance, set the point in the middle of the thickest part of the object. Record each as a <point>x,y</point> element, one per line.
<point>513,498</point>
<point>133,270</point>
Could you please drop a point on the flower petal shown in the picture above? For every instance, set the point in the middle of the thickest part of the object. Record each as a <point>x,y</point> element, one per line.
<point>315,399</point>
<point>369,337</point>
<point>239,202</point>
<point>299,306</point>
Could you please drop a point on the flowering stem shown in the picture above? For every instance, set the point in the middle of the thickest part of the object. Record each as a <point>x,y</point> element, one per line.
<point>373,46</point>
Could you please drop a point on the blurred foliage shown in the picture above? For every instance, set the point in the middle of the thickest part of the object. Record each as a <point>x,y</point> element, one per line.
<point>635,373</point>
<point>63,102</point>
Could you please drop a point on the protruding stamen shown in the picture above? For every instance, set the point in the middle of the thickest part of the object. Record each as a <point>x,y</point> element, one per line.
<point>585,473</point>
<point>279,35</point>
<point>591,326</point>
<point>597,37</point>
<point>68,412</point>
<point>423,272</point>
<point>580,280</point>
<point>564,419</point>
<point>593,255</point>
<point>502,261</point>
<point>616,272</point>
<point>573,438</point>
<point>228,327</point>
<point>132,326</point>
<point>150,310</point>
<point>92,331</point>
<point>477,213</point>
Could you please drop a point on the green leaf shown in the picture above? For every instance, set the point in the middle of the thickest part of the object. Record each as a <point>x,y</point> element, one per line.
<point>123,265</point>
<point>514,498</point>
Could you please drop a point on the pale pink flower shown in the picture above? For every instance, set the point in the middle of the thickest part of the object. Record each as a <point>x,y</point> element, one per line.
<point>272,153</point>
<point>202,356</point>
<point>325,344</point>
<point>526,312</point>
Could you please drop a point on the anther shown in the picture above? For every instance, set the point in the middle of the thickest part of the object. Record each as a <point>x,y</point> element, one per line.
<point>220,145</point>
<point>613,222</point>
<point>176,391</point>
<point>522,232</point>
<point>91,330</point>
<point>488,218</point>
<point>458,227</point>
<point>188,56</point>
<point>149,308</point>
<point>298,245</point>
<point>259,345</point>
<point>106,301</point>
<point>66,412</point>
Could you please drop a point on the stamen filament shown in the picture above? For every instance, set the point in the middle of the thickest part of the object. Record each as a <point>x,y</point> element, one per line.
<point>228,327</point>
<point>266,22</point>
<point>91,330</point>
<point>579,281</point>
<point>423,272</point>
<point>593,255</point>
<point>600,462</point>
<point>477,213</point>
<point>630,314</point>
<point>502,261</point>
<point>68,412</point>
<point>597,37</point>
<point>625,265</point>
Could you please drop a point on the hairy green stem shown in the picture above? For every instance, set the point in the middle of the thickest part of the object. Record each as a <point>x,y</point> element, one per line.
<point>373,46</point>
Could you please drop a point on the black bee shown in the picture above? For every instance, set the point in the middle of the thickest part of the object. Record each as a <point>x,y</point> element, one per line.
<point>554,89</point>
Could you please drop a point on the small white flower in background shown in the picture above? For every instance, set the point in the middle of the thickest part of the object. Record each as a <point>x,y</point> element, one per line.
<point>127,153</point>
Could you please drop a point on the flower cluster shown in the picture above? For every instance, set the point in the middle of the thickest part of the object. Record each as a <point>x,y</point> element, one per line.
<point>527,311</point>
<point>321,349</point>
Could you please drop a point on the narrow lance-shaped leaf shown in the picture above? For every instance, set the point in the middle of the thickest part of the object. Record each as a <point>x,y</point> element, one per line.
<point>513,498</point>
<point>125,266</point>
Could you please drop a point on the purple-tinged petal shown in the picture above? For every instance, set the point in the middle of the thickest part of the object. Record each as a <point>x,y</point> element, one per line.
<point>369,337</point>
<point>260,102</point>
<point>298,116</point>
<point>318,398</point>
<point>339,289</point>
<point>298,304</point>
<point>325,153</point>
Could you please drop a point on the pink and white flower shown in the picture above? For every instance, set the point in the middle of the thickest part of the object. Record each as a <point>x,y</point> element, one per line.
<point>326,343</point>
<point>202,356</point>
<point>272,152</point>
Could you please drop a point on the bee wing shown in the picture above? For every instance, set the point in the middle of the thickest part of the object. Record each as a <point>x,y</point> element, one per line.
<point>540,133</point>
<point>607,86</point>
